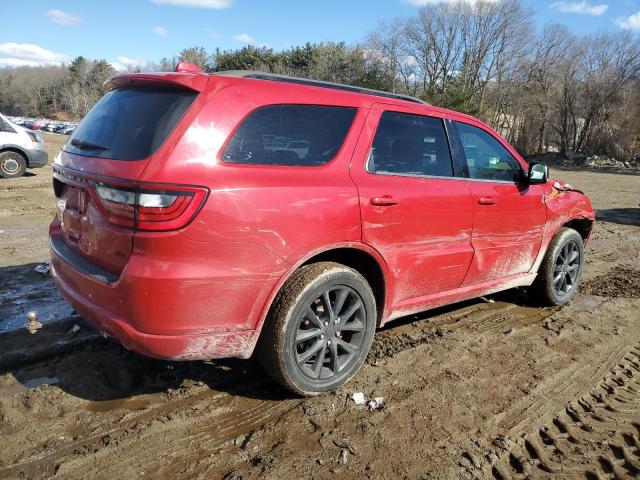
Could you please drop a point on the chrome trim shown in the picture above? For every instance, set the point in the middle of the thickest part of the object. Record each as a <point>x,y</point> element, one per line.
<point>388,174</point>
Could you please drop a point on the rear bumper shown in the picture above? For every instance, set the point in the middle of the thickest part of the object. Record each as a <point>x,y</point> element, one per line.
<point>168,310</point>
<point>237,344</point>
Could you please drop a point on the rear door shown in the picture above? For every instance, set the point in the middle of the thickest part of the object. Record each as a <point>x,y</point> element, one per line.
<point>414,211</point>
<point>509,213</point>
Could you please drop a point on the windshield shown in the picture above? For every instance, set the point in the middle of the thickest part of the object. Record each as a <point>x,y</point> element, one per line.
<point>131,123</point>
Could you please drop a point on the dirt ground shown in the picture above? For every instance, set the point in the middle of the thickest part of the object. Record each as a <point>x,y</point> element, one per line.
<point>490,388</point>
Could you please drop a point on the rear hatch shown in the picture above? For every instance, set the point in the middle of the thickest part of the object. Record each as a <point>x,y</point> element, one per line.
<point>96,173</point>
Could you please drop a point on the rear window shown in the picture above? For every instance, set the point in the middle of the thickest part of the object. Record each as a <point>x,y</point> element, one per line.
<point>303,135</point>
<point>130,124</point>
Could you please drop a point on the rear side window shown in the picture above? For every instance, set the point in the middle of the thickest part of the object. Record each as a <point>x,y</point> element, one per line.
<point>130,124</point>
<point>303,135</point>
<point>409,144</point>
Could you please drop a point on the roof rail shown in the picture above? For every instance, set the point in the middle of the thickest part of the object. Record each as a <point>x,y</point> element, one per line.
<point>316,83</point>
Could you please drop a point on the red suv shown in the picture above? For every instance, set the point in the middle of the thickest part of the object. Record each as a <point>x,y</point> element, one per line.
<point>205,216</point>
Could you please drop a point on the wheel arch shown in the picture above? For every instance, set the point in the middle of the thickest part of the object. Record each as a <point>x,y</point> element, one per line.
<point>582,225</point>
<point>16,149</point>
<point>359,256</point>
<point>364,263</point>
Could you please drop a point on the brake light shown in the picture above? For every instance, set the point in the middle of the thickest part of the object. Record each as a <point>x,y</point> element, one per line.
<point>150,207</point>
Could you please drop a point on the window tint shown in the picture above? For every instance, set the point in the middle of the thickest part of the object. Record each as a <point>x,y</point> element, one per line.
<point>290,135</point>
<point>130,124</point>
<point>410,145</point>
<point>486,158</point>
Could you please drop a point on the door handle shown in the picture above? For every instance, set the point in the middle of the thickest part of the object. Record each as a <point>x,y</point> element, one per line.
<point>486,200</point>
<point>384,201</point>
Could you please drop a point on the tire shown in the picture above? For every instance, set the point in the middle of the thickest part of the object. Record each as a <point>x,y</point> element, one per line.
<point>304,345</point>
<point>12,165</point>
<point>560,273</point>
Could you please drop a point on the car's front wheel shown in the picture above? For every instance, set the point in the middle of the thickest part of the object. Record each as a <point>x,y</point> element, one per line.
<point>319,329</point>
<point>12,165</point>
<point>561,269</point>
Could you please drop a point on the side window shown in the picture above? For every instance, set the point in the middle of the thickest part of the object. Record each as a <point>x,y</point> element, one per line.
<point>5,127</point>
<point>410,145</point>
<point>303,135</point>
<point>486,158</point>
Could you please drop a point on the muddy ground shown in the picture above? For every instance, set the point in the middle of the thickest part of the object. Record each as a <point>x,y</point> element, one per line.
<point>490,388</point>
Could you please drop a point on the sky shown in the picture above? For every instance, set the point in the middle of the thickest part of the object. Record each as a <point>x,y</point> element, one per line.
<point>125,33</point>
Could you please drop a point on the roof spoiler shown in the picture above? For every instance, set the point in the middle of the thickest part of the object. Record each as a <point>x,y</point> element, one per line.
<point>191,80</point>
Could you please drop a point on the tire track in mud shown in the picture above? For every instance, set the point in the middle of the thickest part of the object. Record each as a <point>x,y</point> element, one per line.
<point>485,318</point>
<point>596,436</point>
<point>231,412</point>
<point>166,446</point>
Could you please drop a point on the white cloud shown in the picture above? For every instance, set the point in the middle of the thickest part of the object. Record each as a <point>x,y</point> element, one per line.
<point>244,38</point>
<point>580,7</point>
<point>62,18</point>
<point>159,30</point>
<point>123,63</point>
<point>424,3</point>
<point>630,23</point>
<point>212,4</point>
<point>29,55</point>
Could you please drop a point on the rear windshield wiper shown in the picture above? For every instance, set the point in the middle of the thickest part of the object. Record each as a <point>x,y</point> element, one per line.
<point>84,145</point>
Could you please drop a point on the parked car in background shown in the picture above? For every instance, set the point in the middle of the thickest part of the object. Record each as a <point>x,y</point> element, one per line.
<point>20,149</point>
<point>205,216</point>
<point>48,125</point>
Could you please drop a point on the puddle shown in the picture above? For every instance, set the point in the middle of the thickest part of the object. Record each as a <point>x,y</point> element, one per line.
<point>131,404</point>
<point>23,290</point>
<point>586,303</point>
<point>12,389</point>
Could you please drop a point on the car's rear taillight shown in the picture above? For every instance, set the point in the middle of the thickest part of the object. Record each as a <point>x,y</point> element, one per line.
<point>150,207</point>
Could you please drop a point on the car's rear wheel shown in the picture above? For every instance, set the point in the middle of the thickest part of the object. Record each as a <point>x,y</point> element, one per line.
<point>319,329</point>
<point>561,269</point>
<point>12,165</point>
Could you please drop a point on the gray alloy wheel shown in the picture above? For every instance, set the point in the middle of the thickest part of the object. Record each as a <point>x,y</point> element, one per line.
<point>566,268</point>
<point>319,330</point>
<point>561,269</point>
<point>330,333</point>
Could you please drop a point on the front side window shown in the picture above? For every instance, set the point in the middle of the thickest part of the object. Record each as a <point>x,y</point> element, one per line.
<point>5,126</point>
<point>408,144</point>
<point>297,135</point>
<point>487,158</point>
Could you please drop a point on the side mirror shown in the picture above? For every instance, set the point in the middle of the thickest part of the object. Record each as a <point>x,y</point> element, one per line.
<point>538,173</point>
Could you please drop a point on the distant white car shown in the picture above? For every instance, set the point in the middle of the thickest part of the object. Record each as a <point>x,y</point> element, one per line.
<point>19,149</point>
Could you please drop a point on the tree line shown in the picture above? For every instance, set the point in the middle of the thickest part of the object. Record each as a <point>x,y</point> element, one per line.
<point>543,89</point>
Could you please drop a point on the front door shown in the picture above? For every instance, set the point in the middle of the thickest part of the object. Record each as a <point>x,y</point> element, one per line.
<point>415,212</point>
<point>510,214</point>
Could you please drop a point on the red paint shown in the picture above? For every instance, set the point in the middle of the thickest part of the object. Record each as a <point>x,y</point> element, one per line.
<point>204,290</point>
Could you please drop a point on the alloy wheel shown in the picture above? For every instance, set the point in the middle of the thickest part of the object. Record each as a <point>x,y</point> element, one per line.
<point>330,333</point>
<point>566,269</point>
